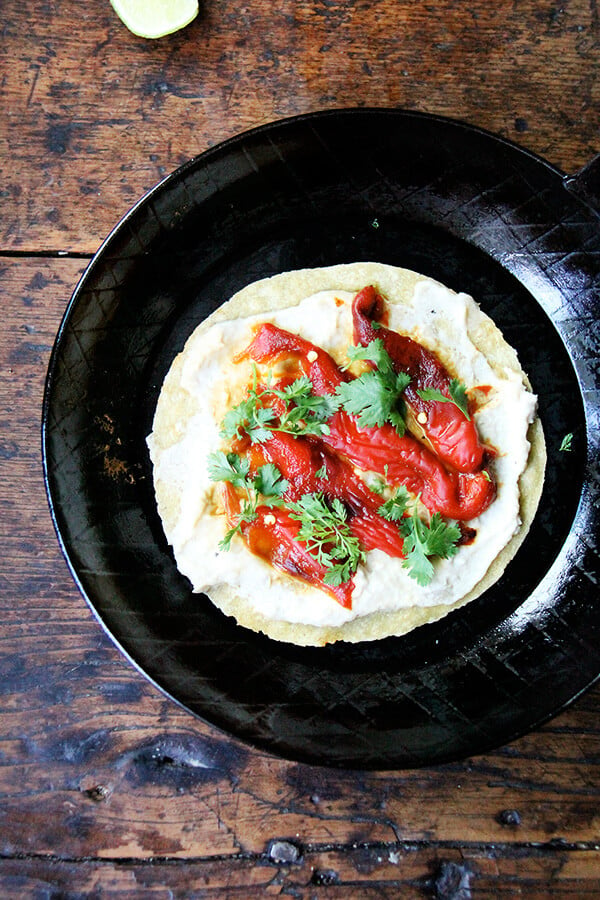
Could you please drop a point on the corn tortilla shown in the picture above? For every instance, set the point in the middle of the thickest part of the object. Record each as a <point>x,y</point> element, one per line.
<point>176,406</point>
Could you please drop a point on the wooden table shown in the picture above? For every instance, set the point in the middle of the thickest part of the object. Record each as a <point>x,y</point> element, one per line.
<point>109,788</point>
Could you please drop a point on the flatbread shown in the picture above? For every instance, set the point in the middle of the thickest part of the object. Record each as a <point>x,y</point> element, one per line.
<point>176,408</point>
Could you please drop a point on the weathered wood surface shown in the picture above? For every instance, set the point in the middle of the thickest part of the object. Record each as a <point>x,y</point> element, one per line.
<point>107,787</point>
<point>93,117</point>
<point>372,873</point>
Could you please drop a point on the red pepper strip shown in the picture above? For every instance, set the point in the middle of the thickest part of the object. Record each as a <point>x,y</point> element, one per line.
<point>402,460</point>
<point>453,437</point>
<point>272,536</point>
<point>231,502</point>
<point>376,533</point>
<point>296,459</point>
<point>299,459</point>
<point>276,542</point>
<point>270,342</point>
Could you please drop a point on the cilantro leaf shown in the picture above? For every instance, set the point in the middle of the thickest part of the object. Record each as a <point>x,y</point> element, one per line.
<point>377,486</point>
<point>422,541</point>
<point>259,425</point>
<point>419,566</point>
<point>368,398</point>
<point>228,467</point>
<point>250,417</point>
<point>395,508</point>
<point>325,532</point>
<point>304,412</point>
<point>234,420</point>
<point>299,389</point>
<point>268,481</point>
<point>375,352</point>
<point>339,573</point>
<point>442,537</point>
<point>309,412</point>
<point>265,488</point>
<point>567,443</point>
<point>458,392</point>
<point>225,544</point>
<point>375,397</point>
<point>458,396</point>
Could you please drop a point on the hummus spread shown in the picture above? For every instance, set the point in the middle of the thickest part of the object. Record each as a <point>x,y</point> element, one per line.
<point>205,382</point>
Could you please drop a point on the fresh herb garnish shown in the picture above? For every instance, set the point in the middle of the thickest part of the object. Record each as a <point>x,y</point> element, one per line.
<point>250,417</point>
<point>306,413</point>
<point>269,483</point>
<point>303,412</point>
<point>458,396</point>
<point>264,489</point>
<point>375,397</point>
<point>394,509</point>
<point>378,486</point>
<point>567,443</point>
<point>325,531</point>
<point>422,541</point>
<point>229,467</point>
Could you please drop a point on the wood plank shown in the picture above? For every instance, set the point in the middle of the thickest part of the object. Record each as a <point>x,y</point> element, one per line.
<point>98,764</point>
<point>92,117</point>
<point>145,781</point>
<point>383,871</point>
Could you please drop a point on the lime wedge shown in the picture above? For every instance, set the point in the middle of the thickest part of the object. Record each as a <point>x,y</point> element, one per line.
<point>155,18</point>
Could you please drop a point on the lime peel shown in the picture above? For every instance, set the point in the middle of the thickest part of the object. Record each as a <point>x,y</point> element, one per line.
<point>155,18</point>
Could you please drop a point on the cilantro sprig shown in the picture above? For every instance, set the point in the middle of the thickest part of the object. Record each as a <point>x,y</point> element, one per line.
<point>566,444</point>
<point>264,489</point>
<point>422,540</point>
<point>375,397</point>
<point>458,396</point>
<point>325,531</point>
<point>324,527</point>
<point>229,467</point>
<point>394,508</point>
<point>303,411</point>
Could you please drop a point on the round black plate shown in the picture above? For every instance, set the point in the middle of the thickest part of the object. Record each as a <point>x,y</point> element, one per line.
<point>434,195</point>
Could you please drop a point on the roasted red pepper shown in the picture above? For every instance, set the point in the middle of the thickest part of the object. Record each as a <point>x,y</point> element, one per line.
<point>452,435</point>
<point>310,467</point>
<point>272,536</point>
<point>271,342</point>
<point>402,460</point>
<point>446,473</point>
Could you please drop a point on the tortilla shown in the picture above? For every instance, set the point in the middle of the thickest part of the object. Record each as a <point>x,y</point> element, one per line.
<point>177,407</point>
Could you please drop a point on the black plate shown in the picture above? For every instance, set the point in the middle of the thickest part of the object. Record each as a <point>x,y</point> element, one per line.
<point>434,195</point>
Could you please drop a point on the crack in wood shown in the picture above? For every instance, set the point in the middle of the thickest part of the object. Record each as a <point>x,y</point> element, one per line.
<point>43,254</point>
<point>496,850</point>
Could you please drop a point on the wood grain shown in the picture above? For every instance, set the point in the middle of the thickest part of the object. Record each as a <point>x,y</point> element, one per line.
<point>93,117</point>
<point>373,873</point>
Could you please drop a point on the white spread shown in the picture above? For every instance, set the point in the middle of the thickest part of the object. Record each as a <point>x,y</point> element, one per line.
<point>436,317</point>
